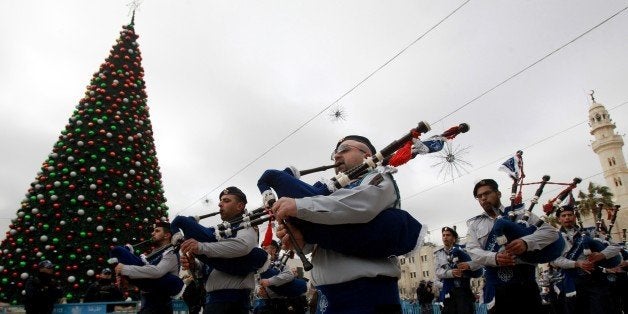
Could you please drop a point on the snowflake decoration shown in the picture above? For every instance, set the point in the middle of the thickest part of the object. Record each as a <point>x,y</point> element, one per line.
<point>451,162</point>
<point>134,5</point>
<point>338,114</point>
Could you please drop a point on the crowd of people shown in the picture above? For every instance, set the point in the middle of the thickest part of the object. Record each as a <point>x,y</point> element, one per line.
<point>229,274</point>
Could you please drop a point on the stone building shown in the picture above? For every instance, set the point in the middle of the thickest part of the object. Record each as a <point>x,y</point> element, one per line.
<point>608,146</point>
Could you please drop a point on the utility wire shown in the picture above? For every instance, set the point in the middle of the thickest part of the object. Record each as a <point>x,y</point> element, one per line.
<point>501,159</point>
<point>388,62</point>
<point>330,105</point>
<point>533,64</point>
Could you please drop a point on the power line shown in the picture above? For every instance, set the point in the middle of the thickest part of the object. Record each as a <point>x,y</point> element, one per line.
<point>330,105</point>
<point>388,62</point>
<point>533,64</point>
<point>506,156</point>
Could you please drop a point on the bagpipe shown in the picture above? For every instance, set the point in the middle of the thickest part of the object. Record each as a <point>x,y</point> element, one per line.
<point>507,230</point>
<point>456,255</point>
<point>392,232</point>
<point>294,288</point>
<point>591,241</point>
<point>168,284</point>
<point>237,266</point>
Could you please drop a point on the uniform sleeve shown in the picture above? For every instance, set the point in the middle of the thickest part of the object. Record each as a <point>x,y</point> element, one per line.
<point>563,263</point>
<point>542,237</point>
<point>355,205</point>
<point>474,265</point>
<point>611,251</point>
<point>168,262</point>
<point>474,247</point>
<point>441,266</point>
<point>240,245</point>
<point>285,276</point>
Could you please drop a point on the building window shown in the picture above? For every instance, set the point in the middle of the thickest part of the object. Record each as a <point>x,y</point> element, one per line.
<point>426,273</point>
<point>617,181</point>
<point>611,161</point>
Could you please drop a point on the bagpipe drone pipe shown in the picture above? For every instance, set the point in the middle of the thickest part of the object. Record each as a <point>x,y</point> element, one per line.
<point>168,284</point>
<point>507,230</point>
<point>237,266</point>
<point>392,232</point>
<point>294,288</point>
<point>456,255</point>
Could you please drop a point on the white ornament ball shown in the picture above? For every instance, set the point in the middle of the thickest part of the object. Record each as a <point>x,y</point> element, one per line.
<point>24,276</point>
<point>88,257</point>
<point>90,272</point>
<point>71,279</point>
<point>100,228</point>
<point>81,212</point>
<point>43,238</point>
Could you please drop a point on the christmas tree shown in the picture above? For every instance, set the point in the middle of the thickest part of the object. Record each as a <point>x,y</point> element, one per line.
<point>99,187</point>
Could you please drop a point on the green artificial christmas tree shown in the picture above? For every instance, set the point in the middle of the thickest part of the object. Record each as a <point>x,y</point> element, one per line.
<point>100,187</point>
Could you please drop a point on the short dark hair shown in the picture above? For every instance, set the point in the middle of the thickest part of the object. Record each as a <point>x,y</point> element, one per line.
<point>165,225</point>
<point>361,139</point>
<point>485,182</point>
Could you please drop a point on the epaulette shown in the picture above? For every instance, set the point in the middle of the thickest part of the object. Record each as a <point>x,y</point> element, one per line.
<point>470,220</point>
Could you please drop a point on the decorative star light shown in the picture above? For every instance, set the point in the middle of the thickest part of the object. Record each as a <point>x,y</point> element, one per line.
<point>451,162</point>
<point>338,114</point>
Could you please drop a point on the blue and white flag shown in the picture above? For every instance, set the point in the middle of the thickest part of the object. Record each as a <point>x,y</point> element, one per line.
<point>512,167</point>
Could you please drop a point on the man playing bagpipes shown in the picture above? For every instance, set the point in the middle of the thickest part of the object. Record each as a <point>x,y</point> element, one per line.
<point>157,265</point>
<point>272,298</point>
<point>510,283</point>
<point>583,268</point>
<point>226,293</point>
<point>455,269</point>
<point>348,283</point>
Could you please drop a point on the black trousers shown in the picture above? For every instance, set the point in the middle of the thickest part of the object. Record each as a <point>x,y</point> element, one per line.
<point>156,304</point>
<point>520,298</point>
<point>460,301</point>
<point>593,295</point>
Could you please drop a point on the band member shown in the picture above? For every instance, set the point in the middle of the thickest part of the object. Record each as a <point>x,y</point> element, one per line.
<point>592,289</point>
<point>225,293</point>
<point>348,284</point>
<point>42,291</point>
<point>456,295</point>
<point>157,266</point>
<point>104,290</point>
<point>271,301</point>
<point>510,285</point>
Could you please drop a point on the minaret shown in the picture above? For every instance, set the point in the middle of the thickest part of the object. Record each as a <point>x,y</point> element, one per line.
<point>608,146</point>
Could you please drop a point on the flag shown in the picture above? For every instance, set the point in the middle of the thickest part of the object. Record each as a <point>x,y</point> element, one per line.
<point>513,166</point>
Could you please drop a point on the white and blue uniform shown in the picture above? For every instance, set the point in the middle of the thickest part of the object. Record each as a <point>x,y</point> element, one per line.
<point>350,284</point>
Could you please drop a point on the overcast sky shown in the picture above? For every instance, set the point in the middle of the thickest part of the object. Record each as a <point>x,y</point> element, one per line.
<point>238,87</point>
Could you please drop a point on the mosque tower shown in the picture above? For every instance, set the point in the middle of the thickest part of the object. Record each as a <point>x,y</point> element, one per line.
<point>608,146</point>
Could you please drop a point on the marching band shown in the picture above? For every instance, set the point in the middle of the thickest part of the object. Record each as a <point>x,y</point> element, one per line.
<point>352,228</point>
